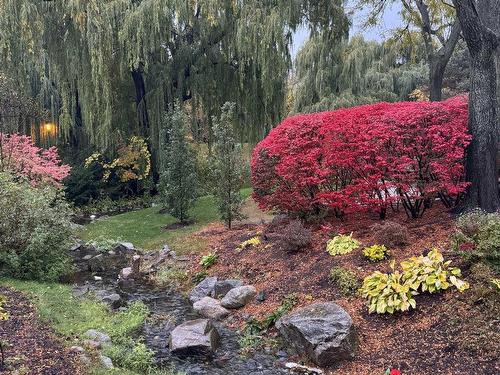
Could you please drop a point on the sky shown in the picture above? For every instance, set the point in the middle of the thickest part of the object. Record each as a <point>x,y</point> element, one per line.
<point>390,20</point>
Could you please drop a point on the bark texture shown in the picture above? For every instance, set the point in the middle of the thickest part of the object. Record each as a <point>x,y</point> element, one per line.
<point>481,164</point>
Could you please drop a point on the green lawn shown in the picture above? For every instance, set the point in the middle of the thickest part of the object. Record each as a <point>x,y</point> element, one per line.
<point>145,228</point>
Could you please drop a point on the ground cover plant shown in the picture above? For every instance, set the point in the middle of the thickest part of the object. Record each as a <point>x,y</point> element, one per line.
<point>367,158</point>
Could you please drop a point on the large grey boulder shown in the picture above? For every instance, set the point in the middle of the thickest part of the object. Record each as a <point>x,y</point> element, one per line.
<point>203,289</point>
<point>222,287</point>
<point>210,308</point>
<point>239,297</point>
<point>194,338</point>
<point>324,332</point>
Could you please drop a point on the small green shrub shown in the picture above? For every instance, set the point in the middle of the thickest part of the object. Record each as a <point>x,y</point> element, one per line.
<point>477,237</point>
<point>34,231</point>
<point>209,260</point>
<point>104,244</point>
<point>342,244</point>
<point>394,291</point>
<point>375,253</point>
<point>345,280</point>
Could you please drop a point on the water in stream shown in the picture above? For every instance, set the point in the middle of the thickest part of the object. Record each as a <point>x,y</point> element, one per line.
<point>168,308</point>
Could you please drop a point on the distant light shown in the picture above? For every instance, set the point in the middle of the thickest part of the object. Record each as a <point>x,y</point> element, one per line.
<point>49,127</point>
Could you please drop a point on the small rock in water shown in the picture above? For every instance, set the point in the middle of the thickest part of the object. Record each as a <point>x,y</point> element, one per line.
<point>300,369</point>
<point>239,297</point>
<point>194,338</point>
<point>210,308</point>
<point>97,278</point>
<point>106,361</point>
<point>203,289</point>
<point>125,273</point>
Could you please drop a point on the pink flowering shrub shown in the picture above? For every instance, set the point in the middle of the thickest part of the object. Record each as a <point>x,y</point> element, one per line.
<point>23,159</point>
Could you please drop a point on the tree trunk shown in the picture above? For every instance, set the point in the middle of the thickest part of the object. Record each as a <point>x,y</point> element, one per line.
<point>140,101</point>
<point>436,76</point>
<point>481,169</point>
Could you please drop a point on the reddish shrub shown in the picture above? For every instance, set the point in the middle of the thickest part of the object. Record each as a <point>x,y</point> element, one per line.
<point>390,234</point>
<point>19,156</point>
<point>364,158</point>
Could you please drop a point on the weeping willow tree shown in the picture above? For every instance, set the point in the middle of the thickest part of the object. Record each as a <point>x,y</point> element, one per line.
<point>110,68</point>
<point>353,73</point>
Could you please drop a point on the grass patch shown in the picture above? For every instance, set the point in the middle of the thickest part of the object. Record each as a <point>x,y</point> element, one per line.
<point>71,318</point>
<point>145,228</point>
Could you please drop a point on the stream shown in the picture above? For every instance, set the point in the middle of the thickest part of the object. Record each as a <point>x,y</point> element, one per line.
<point>169,308</point>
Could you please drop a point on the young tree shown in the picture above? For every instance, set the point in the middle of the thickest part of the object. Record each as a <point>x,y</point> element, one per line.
<point>178,176</point>
<point>226,166</point>
<point>481,29</point>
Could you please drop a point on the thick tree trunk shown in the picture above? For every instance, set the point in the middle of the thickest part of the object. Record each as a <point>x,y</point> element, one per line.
<point>436,76</point>
<point>140,100</point>
<point>481,168</point>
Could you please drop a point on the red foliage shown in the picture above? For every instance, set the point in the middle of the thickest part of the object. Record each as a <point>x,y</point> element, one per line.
<point>364,158</point>
<point>19,156</point>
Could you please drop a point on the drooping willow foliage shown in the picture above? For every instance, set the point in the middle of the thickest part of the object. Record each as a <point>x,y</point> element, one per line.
<point>110,68</point>
<point>353,73</point>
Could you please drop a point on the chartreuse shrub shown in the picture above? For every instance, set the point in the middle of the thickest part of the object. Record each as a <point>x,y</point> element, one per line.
<point>387,293</point>
<point>375,252</point>
<point>34,230</point>
<point>477,237</point>
<point>4,315</point>
<point>345,280</point>
<point>342,244</point>
<point>251,242</point>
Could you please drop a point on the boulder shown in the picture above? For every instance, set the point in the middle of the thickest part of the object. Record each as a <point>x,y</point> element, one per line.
<point>194,338</point>
<point>239,297</point>
<point>203,289</point>
<point>98,336</point>
<point>124,247</point>
<point>125,273</point>
<point>106,362</point>
<point>224,286</point>
<point>324,332</point>
<point>210,308</point>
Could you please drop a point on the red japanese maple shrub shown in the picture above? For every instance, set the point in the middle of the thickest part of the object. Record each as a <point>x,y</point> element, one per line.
<point>366,158</point>
<point>20,156</point>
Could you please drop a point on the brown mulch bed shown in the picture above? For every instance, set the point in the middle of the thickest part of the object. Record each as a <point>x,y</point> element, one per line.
<point>420,342</point>
<point>32,347</point>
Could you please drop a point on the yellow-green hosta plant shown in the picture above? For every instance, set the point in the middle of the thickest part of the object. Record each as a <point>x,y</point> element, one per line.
<point>387,293</point>
<point>252,242</point>
<point>342,244</point>
<point>375,253</point>
<point>431,273</point>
